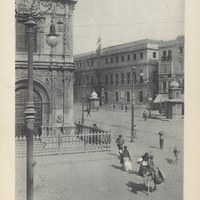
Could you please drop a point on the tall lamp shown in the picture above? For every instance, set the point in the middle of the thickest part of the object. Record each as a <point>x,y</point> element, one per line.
<point>30,111</point>
<point>52,40</point>
<point>132,105</point>
<point>82,98</point>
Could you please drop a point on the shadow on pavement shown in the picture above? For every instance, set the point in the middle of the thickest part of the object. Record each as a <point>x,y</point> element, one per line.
<point>116,167</point>
<point>136,187</point>
<point>170,161</point>
<point>133,172</point>
<point>113,154</point>
<point>154,147</point>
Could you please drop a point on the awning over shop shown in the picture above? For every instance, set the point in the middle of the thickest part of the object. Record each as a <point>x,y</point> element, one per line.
<point>164,97</point>
<point>161,98</point>
<point>175,100</point>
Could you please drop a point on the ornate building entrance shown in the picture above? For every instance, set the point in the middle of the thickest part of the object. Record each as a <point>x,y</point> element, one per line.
<point>21,97</point>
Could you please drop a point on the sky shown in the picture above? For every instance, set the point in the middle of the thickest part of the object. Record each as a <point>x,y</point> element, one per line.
<point>122,21</point>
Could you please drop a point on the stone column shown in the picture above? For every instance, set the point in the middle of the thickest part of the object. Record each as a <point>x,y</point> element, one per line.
<point>68,98</point>
<point>53,97</point>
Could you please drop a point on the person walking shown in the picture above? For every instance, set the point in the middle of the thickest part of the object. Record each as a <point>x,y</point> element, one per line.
<point>120,142</point>
<point>113,106</point>
<point>176,152</point>
<point>161,135</point>
<point>143,161</point>
<point>126,108</point>
<point>135,132</point>
<point>145,115</point>
<point>88,112</point>
<point>126,160</point>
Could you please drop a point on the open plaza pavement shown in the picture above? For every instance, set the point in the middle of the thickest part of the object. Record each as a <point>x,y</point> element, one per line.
<point>98,175</point>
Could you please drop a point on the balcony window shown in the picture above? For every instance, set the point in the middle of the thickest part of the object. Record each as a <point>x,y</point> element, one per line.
<point>122,58</point>
<point>106,60</point>
<point>92,80</point>
<point>122,78</point>
<point>106,79</point>
<point>128,97</point>
<point>117,59</point>
<point>134,56</point>
<point>141,96</point>
<point>154,54</point>
<point>128,77</point>
<point>111,60</point>
<point>141,55</point>
<point>141,76</point>
<point>116,96</point>
<point>181,50</point>
<point>155,76</point>
<point>111,79</point>
<point>117,79</point>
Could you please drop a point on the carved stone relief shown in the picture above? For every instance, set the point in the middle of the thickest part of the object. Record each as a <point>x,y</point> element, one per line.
<point>47,81</point>
<point>59,119</point>
<point>21,72</point>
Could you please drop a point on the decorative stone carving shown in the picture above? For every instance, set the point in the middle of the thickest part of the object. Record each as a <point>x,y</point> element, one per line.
<point>60,24</point>
<point>47,81</point>
<point>41,72</point>
<point>59,119</point>
<point>65,34</point>
<point>59,92</point>
<point>21,71</point>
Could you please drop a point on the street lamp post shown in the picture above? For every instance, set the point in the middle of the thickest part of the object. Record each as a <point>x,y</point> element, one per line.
<point>52,40</point>
<point>83,85</point>
<point>132,106</point>
<point>30,111</point>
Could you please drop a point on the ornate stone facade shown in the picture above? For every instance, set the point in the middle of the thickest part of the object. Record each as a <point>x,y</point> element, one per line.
<point>53,68</point>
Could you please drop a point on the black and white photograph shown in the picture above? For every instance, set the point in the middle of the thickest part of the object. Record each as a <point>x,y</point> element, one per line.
<point>99,99</point>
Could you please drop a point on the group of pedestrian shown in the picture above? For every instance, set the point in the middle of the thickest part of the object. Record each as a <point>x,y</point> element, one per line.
<point>112,106</point>
<point>147,166</point>
<point>124,154</point>
<point>146,161</point>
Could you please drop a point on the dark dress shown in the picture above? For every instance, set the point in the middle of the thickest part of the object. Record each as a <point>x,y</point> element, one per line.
<point>126,160</point>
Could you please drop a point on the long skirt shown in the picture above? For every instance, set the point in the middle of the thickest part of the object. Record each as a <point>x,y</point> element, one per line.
<point>158,177</point>
<point>126,165</point>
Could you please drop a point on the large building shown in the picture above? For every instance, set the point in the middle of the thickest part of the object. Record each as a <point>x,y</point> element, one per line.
<point>171,63</point>
<point>53,67</point>
<point>109,72</point>
<point>171,68</point>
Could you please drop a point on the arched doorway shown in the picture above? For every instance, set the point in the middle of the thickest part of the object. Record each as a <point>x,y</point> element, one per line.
<point>21,98</point>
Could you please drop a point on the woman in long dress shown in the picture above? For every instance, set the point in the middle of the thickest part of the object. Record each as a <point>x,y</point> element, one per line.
<point>126,160</point>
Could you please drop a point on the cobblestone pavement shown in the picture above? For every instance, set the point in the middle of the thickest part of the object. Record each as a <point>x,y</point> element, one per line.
<point>98,176</point>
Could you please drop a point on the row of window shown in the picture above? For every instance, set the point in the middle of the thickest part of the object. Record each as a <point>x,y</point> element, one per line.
<point>167,54</point>
<point>116,59</point>
<point>127,96</point>
<point>119,79</point>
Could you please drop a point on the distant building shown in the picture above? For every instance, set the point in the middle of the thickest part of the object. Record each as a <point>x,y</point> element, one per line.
<point>171,63</point>
<point>171,68</point>
<point>109,72</point>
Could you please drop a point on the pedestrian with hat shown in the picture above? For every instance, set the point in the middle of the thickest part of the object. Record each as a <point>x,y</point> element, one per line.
<point>120,142</point>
